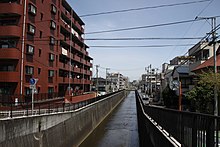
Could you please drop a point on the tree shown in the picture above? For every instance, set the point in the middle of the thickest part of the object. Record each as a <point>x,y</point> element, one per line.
<point>170,98</point>
<point>202,95</point>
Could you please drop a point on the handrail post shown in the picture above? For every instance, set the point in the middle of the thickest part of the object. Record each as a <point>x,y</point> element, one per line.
<point>11,111</point>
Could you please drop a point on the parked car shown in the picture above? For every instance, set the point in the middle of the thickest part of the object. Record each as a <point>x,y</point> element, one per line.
<point>145,97</point>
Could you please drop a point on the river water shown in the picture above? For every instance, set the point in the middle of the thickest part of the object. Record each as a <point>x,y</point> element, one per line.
<point>119,129</point>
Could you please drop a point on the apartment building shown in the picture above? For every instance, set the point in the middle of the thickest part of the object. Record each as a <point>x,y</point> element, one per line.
<point>42,39</point>
<point>120,81</point>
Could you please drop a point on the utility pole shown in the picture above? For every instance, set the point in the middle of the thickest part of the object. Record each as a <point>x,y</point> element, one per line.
<point>216,111</point>
<point>156,80</point>
<point>213,19</point>
<point>70,56</point>
<point>145,81</point>
<point>150,80</point>
<point>106,82</point>
<point>97,76</point>
<point>213,23</point>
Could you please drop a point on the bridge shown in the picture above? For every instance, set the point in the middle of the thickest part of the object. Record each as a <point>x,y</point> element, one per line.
<point>117,119</point>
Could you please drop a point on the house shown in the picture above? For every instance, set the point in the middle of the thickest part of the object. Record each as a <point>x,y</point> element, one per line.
<point>181,74</point>
<point>208,65</point>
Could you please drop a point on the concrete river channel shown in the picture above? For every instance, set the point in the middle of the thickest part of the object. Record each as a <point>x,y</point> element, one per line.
<point>119,129</point>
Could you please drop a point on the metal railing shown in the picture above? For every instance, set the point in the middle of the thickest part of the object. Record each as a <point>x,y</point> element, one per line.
<point>150,133</point>
<point>27,98</point>
<point>189,128</point>
<point>23,109</point>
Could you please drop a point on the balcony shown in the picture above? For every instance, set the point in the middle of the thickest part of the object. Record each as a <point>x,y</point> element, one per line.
<point>88,64</point>
<point>65,25</point>
<point>11,8</point>
<point>79,26</point>
<point>12,31</point>
<point>63,80</point>
<point>88,72</point>
<point>77,47</point>
<point>77,70</point>
<point>63,66</point>
<point>77,81</point>
<point>9,76</point>
<point>82,61</point>
<point>87,82</point>
<point>77,58</point>
<point>9,53</point>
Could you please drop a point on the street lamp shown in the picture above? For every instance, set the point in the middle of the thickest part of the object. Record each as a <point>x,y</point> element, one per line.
<point>213,24</point>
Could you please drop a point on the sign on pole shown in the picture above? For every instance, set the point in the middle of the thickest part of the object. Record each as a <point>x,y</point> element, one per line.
<point>33,87</point>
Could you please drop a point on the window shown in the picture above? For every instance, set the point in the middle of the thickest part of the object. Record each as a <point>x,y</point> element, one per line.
<point>39,52</point>
<point>51,57</point>
<point>7,67</point>
<point>41,33</point>
<point>52,40</point>
<point>4,46</point>
<point>50,73</point>
<point>32,9</point>
<point>53,9</point>
<point>41,16</point>
<point>29,70</point>
<point>8,21</point>
<point>28,91</point>
<point>39,71</point>
<point>30,49</point>
<point>31,29</point>
<point>52,24</point>
<point>8,43</point>
<point>50,89</point>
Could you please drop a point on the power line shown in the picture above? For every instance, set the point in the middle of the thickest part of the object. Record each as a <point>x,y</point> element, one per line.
<point>147,26</point>
<point>143,8</point>
<point>141,46</point>
<point>119,39</point>
<point>205,37</point>
<point>142,27</point>
<point>140,38</point>
<point>193,23</point>
<point>205,8</point>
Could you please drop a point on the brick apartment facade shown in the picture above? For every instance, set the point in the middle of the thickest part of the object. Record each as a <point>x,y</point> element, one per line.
<point>45,42</point>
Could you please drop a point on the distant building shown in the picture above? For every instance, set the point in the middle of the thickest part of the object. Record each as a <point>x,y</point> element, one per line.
<point>120,80</point>
<point>100,84</point>
<point>150,82</point>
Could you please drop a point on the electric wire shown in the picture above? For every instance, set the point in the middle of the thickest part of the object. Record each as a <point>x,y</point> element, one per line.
<point>143,27</point>
<point>140,46</point>
<point>193,23</point>
<point>143,8</point>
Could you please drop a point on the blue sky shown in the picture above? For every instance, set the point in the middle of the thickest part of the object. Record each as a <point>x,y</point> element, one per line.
<point>131,62</point>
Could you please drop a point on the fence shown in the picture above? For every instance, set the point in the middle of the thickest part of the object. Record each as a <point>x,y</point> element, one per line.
<point>25,108</point>
<point>27,98</point>
<point>149,133</point>
<point>188,128</point>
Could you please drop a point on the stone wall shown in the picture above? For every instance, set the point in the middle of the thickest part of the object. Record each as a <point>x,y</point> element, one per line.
<point>55,130</point>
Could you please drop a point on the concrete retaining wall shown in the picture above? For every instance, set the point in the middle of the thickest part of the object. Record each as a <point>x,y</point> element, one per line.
<point>55,130</point>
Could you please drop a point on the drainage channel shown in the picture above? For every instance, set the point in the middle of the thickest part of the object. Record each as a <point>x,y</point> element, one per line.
<point>119,129</point>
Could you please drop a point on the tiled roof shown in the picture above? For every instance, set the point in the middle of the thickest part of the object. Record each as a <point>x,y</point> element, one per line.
<point>183,69</point>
